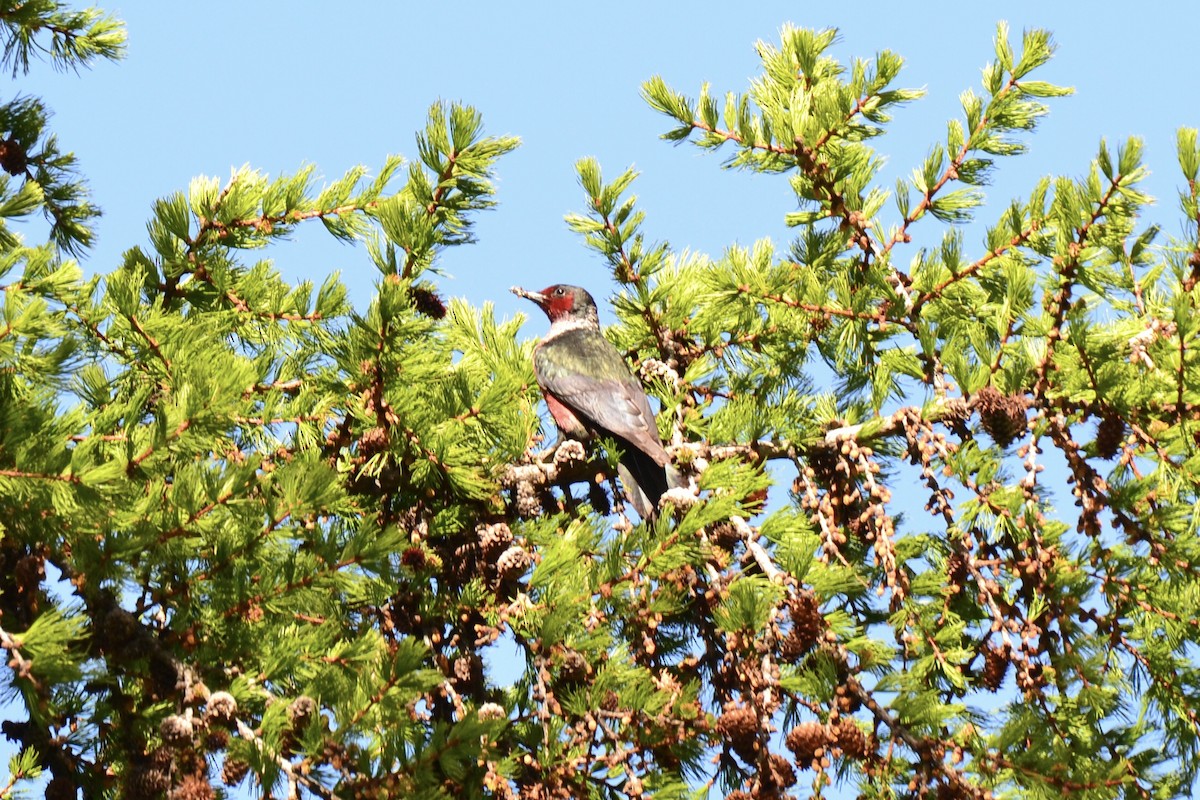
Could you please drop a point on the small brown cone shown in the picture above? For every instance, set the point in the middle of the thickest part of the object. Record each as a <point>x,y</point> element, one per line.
<point>1110,435</point>
<point>739,726</point>
<point>1002,416</point>
<point>850,738</point>
<point>807,626</point>
<point>13,158</point>
<point>513,562</point>
<point>193,787</point>
<point>234,771</point>
<point>782,774</point>
<point>427,302</point>
<point>995,667</point>
<point>807,741</point>
<point>146,781</point>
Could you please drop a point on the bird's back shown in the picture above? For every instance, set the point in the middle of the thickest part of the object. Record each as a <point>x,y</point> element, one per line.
<point>583,370</point>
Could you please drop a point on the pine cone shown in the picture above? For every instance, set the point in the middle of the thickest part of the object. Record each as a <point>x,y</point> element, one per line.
<point>724,535</point>
<point>569,451</point>
<point>847,701</point>
<point>1002,416</point>
<point>494,538</point>
<point>739,726</point>
<point>955,413</point>
<point>193,787</point>
<point>807,626</point>
<point>301,710</point>
<point>468,673</point>
<point>492,711</point>
<point>807,741</point>
<point>221,707</point>
<point>176,731</point>
<point>373,440</point>
<point>234,771</point>
<point>1110,435</point>
<point>849,738</point>
<point>147,782</point>
<point>574,669</point>
<point>216,739</point>
<point>528,501</point>
<point>995,667</point>
<point>61,787</point>
<point>427,302</point>
<point>414,558</point>
<point>13,158</point>
<point>513,562</point>
<point>782,774</point>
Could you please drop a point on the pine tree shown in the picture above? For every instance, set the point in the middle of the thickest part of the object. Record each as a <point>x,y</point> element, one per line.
<point>252,535</point>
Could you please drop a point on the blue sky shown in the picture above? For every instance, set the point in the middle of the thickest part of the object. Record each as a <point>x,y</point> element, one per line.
<point>208,87</point>
<point>279,85</point>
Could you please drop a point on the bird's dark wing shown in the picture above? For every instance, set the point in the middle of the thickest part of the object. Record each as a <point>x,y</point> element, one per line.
<point>587,374</point>
<point>612,407</point>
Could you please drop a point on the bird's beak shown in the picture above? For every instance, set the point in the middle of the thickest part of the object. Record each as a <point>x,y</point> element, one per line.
<point>536,297</point>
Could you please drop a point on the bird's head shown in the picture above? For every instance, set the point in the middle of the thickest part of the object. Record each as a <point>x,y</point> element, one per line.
<point>563,302</point>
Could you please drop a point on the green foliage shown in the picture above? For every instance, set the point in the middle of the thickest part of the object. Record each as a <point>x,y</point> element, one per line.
<point>48,177</point>
<point>247,525</point>
<point>76,38</point>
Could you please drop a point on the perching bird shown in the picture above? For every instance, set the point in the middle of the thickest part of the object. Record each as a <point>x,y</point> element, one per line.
<point>592,393</point>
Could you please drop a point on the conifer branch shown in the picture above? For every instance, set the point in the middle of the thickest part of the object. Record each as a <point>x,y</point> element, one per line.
<point>38,476</point>
<point>1059,303</point>
<point>150,340</point>
<point>432,211</point>
<point>879,316</point>
<point>973,268</point>
<point>293,777</point>
<point>951,172</point>
<point>21,666</point>
<point>354,515</point>
<point>242,306</point>
<point>287,387</point>
<point>212,231</point>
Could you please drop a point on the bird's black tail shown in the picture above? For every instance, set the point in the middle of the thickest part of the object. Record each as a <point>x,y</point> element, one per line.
<point>644,479</point>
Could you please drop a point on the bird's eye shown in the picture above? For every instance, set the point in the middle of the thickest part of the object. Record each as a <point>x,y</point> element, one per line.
<point>559,292</point>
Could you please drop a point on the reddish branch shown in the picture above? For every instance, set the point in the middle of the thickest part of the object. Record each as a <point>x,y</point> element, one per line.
<point>431,210</point>
<point>948,174</point>
<point>936,292</point>
<point>1059,303</point>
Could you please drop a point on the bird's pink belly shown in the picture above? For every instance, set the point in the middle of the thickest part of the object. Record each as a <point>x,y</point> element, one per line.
<point>565,418</point>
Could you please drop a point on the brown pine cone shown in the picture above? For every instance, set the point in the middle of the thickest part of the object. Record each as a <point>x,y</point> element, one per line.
<point>808,741</point>
<point>234,771</point>
<point>1110,435</point>
<point>1002,416</point>
<point>850,738</point>
<point>807,626</point>
<point>739,726</point>
<point>995,667</point>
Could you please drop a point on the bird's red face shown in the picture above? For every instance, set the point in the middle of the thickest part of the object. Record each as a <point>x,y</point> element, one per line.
<point>558,301</point>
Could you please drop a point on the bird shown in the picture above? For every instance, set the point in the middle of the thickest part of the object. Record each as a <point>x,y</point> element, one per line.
<point>591,393</point>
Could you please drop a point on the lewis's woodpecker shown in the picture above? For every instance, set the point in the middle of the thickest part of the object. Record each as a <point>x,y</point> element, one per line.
<point>592,393</point>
